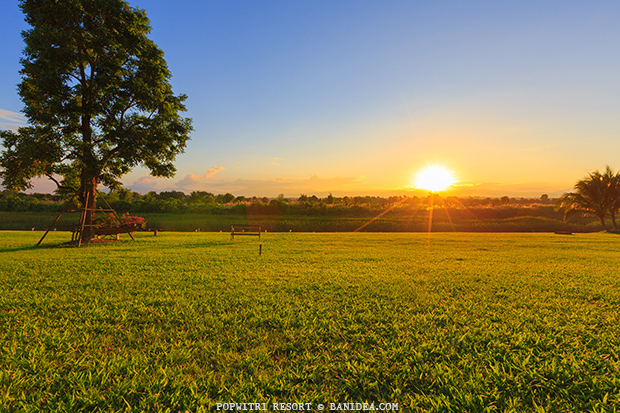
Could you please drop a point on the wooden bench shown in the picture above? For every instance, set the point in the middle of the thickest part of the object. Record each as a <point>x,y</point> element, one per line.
<point>244,229</point>
<point>114,231</point>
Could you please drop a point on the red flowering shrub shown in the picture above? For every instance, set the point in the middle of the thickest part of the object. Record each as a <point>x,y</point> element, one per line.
<point>127,221</point>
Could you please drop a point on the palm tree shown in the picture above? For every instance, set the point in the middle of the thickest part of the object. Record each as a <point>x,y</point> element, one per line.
<point>613,182</point>
<point>598,194</point>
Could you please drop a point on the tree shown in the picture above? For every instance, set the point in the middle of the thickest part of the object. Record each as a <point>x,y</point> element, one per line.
<point>200,197</point>
<point>179,195</point>
<point>613,188</point>
<point>97,99</point>
<point>598,194</point>
<point>224,198</point>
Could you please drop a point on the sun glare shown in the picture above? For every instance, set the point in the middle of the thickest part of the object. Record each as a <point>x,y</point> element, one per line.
<point>434,178</point>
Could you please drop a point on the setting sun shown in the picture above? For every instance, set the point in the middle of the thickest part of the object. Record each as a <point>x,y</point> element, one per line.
<point>434,178</point>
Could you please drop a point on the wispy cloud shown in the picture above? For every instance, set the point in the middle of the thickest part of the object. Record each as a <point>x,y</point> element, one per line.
<point>248,187</point>
<point>11,120</point>
<point>190,182</point>
<point>213,171</point>
<point>290,187</point>
<point>275,162</point>
<point>194,182</point>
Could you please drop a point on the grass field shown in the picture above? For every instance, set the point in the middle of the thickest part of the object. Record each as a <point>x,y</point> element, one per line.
<point>448,322</point>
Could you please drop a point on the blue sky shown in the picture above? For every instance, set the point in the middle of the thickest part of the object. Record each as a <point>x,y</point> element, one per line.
<point>356,97</point>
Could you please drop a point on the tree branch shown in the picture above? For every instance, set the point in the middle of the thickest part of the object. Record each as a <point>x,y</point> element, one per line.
<point>111,152</point>
<point>129,106</point>
<point>70,155</point>
<point>58,183</point>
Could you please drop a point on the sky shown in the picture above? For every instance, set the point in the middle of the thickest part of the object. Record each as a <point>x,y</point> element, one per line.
<point>356,97</point>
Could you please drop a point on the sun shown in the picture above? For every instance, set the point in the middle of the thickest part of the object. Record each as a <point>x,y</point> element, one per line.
<point>434,179</point>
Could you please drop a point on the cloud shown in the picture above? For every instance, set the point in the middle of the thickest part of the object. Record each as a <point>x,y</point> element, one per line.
<point>145,184</point>
<point>275,162</point>
<point>194,182</point>
<point>147,179</point>
<point>190,182</point>
<point>289,187</point>
<point>11,120</point>
<point>213,171</point>
<point>249,187</point>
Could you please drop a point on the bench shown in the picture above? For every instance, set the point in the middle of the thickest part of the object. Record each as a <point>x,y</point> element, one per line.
<point>115,231</point>
<point>244,229</point>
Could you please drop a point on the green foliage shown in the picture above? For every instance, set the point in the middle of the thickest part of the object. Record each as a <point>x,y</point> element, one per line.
<point>598,194</point>
<point>97,97</point>
<point>19,202</point>
<point>433,322</point>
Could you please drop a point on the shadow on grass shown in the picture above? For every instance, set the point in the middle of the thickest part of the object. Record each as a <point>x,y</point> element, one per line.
<point>33,247</point>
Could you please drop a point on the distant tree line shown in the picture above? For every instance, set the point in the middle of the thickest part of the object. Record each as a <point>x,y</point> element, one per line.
<point>125,200</point>
<point>594,203</point>
<point>178,211</point>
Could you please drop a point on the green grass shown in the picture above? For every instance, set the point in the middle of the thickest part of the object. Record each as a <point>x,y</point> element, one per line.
<point>441,322</point>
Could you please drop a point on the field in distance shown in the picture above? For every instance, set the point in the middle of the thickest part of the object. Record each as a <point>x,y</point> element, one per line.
<point>433,322</point>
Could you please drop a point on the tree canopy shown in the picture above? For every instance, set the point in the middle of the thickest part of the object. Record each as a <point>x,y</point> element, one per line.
<point>597,194</point>
<point>97,98</point>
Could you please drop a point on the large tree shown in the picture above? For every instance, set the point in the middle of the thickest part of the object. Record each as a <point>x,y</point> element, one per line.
<point>597,194</point>
<point>612,181</point>
<point>97,98</point>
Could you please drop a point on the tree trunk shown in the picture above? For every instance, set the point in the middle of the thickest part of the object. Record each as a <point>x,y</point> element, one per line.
<point>613,221</point>
<point>89,202</point>
<point>88,185</point>
<point>602,218</point>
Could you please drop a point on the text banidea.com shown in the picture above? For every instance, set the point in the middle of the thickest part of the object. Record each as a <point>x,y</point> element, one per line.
<point>307,407</point>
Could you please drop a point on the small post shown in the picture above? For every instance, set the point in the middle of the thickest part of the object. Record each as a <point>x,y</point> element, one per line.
<point>260,249</point>
<point>155,232</point>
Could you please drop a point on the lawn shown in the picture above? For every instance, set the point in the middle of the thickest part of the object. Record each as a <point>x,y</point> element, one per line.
<point>442,322</point>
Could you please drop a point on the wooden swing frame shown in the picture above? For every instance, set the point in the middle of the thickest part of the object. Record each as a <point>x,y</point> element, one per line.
<point>77,233</point>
